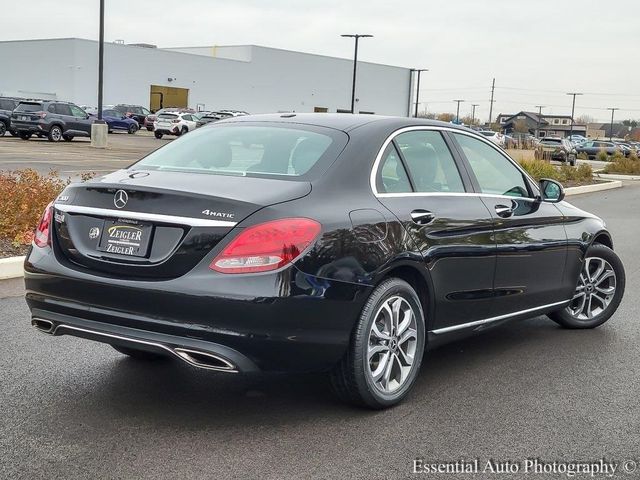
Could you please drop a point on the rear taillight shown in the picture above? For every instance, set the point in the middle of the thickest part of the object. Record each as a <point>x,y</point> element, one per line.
<point>42,114</point>
<point>267,246</point>
<point>42,237</point>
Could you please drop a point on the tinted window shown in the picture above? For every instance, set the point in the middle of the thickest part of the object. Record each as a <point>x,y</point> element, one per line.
<point>7,104</point>
<point>110,113</point>
<point>29,107</point>
<point>52,108</point>
<point>121,108</point>
<point>495,173</point>
<point>392,177</point>
<point>62,109</point>
<point>552,141</point>
<point>249,150</point>
<point>145,111</point>
<point>429,161</point>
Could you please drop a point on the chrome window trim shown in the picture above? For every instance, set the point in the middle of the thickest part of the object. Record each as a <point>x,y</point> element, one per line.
<point>495,319</point>
<point>393,135</point>
<point>143,216</point>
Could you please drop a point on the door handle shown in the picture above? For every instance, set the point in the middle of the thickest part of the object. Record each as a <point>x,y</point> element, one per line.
<point>504,211</point>
<point>422,217</point>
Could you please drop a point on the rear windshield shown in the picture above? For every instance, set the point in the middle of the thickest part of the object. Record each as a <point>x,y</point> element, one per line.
<point>29,107</point>
<point>488,134</point>
<point>249,150</point>
<point>167,115</point>
<point>555,141</point>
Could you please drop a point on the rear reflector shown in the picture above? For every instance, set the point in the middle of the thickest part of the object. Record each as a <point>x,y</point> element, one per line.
<point>267,246</point>
<point>42,236</point>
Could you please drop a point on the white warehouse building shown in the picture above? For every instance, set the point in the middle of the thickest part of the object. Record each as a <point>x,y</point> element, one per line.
<point>245,77</point>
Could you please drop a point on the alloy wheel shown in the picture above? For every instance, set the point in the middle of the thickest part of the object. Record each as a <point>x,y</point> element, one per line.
<point>56,134</point>
<point>595,291</point>
<point>393,339</point>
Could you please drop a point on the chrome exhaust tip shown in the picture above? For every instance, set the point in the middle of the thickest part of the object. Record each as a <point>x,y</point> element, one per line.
<point>45,326</point>
<point>205,360</point>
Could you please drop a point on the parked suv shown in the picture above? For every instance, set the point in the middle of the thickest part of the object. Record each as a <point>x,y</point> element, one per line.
<point>52,119</point>
<point>7,104</point>
<point>560,149</point>
<point>137,112</point>
<point>174,123</point>
<point>593,147</point>
<point>151,118</point>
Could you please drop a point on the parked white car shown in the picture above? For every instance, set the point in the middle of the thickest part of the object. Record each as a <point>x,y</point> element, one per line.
<point>174,123</point>
<point>495,137</point>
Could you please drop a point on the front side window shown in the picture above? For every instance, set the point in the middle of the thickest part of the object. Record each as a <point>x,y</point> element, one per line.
<point>429,161</point>
<point>248,150</point>
<point>77,111</point>
<point>496,175</point>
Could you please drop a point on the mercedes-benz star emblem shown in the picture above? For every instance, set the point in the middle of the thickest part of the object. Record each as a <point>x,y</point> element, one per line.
<point>120,199</point>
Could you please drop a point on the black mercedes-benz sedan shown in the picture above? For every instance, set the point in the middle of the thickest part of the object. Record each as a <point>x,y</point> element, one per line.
<point>305,242</point>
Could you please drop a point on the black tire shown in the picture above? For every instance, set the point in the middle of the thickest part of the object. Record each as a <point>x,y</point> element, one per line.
<point>150,129</point>
<point>565,318</point>
<point>158,135</point>
<point>3,129</point>
<point>139,354</point>
<point>351,378</point>
<point>55,133</point>
<point>572,160</point>
<point>184,131</point>
<point>132,129</point>
<point>24,136</point>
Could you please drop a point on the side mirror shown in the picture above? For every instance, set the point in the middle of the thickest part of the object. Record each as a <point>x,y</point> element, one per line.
<point>551,191</point>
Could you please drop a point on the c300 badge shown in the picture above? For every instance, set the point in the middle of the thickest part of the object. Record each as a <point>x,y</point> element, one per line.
<point>94,233</point>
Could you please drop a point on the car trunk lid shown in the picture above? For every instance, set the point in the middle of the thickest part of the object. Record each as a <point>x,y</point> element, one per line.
<point>157,224</point>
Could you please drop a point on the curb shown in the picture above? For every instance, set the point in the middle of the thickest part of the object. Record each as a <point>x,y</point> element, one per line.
<point>12,267</point>
<point>617,176</point>
<point>593,188</point>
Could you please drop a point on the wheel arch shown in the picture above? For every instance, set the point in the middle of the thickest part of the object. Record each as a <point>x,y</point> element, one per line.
<point>604,238</point>
<point>421,283</point>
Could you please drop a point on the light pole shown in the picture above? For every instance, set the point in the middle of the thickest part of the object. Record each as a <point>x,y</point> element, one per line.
<point>458,111</point>
<point>613,109</point>
<point>99,128</point>
<point>357,37</point>
<point>573,108</point>
<point>539,107</point>
<point>473,112</point>
<point>419,70</point>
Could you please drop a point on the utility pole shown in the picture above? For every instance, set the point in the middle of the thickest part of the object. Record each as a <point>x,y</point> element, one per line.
<point>419,71</point>
<point>493,89</point>
<point>539,107</point>
<point>473,112</point>
<point>458,111</point>
<point>357,37</point>
<point>613,109</point>
<point>573,109</point>
<point>99,128</point>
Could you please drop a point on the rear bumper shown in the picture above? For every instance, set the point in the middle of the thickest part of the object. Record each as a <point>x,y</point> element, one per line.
<point>286,321</point>
<point>27,127</point>
<point>167,131</point>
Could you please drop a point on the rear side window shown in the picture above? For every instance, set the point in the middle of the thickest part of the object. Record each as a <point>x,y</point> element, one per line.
<point>392,177</point>
<point>63,109</point>
<point>429,161</point>
<point>496,175</point>
<point>7,104</point>
<point>249,150</point>
<point>29,107</point>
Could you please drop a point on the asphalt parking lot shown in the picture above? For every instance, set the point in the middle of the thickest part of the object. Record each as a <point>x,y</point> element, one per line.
<point>75,409</point>
<point>70,159</point>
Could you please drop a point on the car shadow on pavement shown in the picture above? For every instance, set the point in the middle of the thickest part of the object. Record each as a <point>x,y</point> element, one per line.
<point>504,358</point>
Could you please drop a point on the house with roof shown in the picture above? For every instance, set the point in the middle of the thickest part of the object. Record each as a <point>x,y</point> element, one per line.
<point>540,125</point>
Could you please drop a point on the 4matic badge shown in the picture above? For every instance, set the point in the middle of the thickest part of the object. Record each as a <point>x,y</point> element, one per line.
<point>213,213</point>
